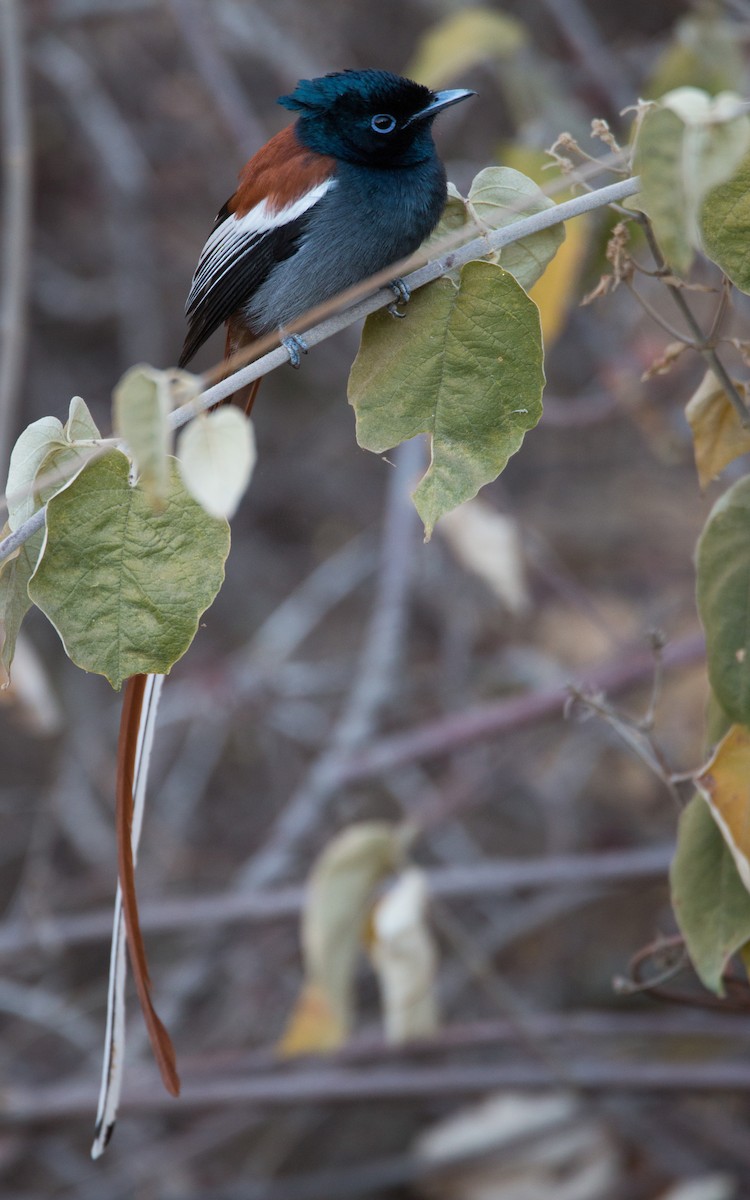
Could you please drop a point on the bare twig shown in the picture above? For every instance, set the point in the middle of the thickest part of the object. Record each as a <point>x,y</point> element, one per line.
<point>487,878</point>
<point>260,366</point>
<point>372,682</point>
<point>16,232</point>
<point>30,1105</point>
<point>701,342</point>
<point>448,733</point>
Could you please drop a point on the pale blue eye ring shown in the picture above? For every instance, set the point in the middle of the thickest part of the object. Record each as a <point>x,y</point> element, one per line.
<point>383,123</point>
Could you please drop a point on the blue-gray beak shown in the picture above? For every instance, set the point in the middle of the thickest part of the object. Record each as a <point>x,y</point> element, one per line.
<point>441,100</point>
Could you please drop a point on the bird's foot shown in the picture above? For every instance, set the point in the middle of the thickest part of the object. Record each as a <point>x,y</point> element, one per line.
<point>295,346</point>
<point>403,296</point>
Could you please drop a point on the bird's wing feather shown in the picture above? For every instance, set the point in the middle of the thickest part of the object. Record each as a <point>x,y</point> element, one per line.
<point>259,226</point>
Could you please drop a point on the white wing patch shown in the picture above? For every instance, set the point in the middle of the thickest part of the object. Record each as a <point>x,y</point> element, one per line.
<point>236,234</point>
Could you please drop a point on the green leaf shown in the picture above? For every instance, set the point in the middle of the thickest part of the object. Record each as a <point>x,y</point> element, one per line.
<point>45,457</point>
<point>80,425</point>
<point>725,221</point>
<point>658,161</point>
<point>465,367</point>
<point>686,145</point>
<point>723,586</point>
<point>142,401</point>
<point>15,573</point>
<point>498,197</point>
<point>501,195</point>
<point>711,904</point>
<point>26,458</point>
<point>216,455</point>
<point>462,39</point>
<point>123,585</point>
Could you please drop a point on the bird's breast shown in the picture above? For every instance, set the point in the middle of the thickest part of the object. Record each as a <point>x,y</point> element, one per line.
<point>368,220</point>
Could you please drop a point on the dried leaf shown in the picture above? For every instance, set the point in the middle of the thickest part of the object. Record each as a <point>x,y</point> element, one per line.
<point>555,292</point>
<point>664,363</point>
<point>718,434</point>
<point>334,920</point>
<point>707,1187</point>
<point>724,784</point>
<point>405,959</point>
<point>487,543</point>
<point>512,1146</point>
<point>313,1027</point>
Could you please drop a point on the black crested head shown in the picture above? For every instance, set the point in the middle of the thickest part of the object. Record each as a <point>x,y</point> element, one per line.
<point>368,117</point>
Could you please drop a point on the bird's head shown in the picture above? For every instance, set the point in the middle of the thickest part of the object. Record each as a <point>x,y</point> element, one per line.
<point>368,117</point>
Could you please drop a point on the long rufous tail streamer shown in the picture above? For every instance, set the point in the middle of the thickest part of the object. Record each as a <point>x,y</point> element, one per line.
<point>139,706</point>
<point>137,725</point>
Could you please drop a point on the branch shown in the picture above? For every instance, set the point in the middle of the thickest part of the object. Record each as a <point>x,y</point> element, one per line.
<point>16,233</point>
<point>329,1085</point>
<point>371,686</point>
<point>258,906</point>
<point>477,248</point>
<point>458,730</point>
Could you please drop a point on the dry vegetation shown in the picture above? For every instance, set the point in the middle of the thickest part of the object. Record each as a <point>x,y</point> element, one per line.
<point>337,636</point>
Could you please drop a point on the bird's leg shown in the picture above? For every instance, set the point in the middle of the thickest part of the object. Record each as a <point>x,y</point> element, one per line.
<point>295,345</point>
<point>403,296</point>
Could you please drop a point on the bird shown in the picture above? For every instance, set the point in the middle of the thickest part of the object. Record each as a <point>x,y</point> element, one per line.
<point>353,185</point>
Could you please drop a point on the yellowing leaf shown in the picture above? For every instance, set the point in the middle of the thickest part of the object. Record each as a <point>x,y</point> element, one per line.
<point>718,434</point>
<point>334,920</point>
<point>405,959</point>
<point>142,401</point>
<point>555,292</point>
<point>486,542</point>
<point>724,784</point>
<point>216,455</point>
<point>462,39</point>
<point>313,1027</point>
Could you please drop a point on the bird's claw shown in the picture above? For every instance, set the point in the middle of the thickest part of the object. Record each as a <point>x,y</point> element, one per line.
<point>403,296</point>
<point>295,345</point>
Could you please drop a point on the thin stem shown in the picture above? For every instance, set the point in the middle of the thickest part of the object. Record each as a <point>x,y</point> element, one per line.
<point>702,343</point>
<point>657,317</point>
<point>16,234</point>
<point>435,269</point>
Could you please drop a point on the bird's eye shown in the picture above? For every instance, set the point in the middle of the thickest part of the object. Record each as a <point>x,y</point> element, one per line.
<point>383,123</point>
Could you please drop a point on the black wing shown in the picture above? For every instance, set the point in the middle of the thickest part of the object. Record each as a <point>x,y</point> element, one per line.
<point>235,261</point>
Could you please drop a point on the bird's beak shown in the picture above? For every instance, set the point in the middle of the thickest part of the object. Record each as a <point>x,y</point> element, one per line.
<point>441,100</point>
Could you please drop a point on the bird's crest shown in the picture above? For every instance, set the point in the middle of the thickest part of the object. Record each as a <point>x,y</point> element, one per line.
<point>372,87</point>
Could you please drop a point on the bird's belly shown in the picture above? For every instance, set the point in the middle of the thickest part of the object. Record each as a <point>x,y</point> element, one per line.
<point>347,245</point>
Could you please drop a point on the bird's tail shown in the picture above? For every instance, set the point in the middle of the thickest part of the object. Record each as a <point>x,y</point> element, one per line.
<point>238,338</point>
<point>139,706</point>
<point>137,723</point>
